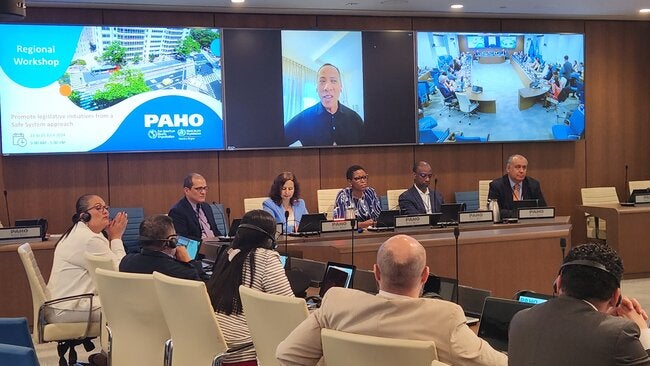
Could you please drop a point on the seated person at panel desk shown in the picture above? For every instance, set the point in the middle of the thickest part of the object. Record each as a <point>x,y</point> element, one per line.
<point>359,197</point>
<point>160,251</point>
<point>397,311</point>
<point>284,197</point>
<point>515,185</point>
<point>192,216</point>
<point>419,199</point>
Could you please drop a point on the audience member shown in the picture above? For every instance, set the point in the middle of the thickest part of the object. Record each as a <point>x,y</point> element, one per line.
<point>328,122</point>
<point>515,186</point>
<point>589,324</point>
<point>567,68</point>
<point>396,312</point>
<point>419,199</point>
<point>358,197</point>
<point>192,216</point>
<point>284,197</point>
<point>251,261</point>
<point>160,251</point>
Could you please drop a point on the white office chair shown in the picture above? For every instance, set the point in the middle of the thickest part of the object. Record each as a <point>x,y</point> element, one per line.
<point>393,198</point>
<point>254,203</point>
<point>466,106</point>
<point>596,228</point>
<point>326,198</point>
<point>94,262</point>
<point>483,190</point>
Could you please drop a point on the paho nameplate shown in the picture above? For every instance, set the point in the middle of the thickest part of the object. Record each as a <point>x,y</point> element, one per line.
<point>642,198</point>
<point>331,226</point>
<point>412,221</point>
<point>476,216</point>
<point>23,232</point>
<point>536,213</point>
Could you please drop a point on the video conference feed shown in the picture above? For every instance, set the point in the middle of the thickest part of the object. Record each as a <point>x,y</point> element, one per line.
<point>500,87</point>
<point>109,89</point>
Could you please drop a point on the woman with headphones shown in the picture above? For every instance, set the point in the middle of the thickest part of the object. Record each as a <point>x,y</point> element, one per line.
<point>91,232</point>
<point>250,261</point>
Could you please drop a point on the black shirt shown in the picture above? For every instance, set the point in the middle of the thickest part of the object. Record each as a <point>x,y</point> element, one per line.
<point>148,261</point>
<point>315,126</point>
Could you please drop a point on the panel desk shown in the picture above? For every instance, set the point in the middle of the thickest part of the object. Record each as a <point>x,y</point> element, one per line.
<point>504,258</point>
<point>627,233</point>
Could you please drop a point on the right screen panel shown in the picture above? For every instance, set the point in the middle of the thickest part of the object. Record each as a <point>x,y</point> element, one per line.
<point>480,87</point>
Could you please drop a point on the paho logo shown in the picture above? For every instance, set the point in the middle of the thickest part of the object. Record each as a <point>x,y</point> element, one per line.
<point>175,120</point>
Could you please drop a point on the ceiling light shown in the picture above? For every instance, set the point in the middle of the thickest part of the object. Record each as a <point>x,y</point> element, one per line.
<point>457,6</point>
<point>644,11</point>
<point>236,1</point>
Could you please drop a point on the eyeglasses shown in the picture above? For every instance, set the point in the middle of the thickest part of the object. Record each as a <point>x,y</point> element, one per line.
<point>99,207</point>
<point>200,189</point>
<point>425,175</point>
<point>363,177</point>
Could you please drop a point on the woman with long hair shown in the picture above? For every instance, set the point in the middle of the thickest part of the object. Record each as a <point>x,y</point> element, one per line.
<point>250,261</point>
<point>284,196</point>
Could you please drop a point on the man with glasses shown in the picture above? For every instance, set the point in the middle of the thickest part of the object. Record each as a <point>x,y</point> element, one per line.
<point>160,251</point>
<point>515,186</point>
<point>192,216</point>
<point>419,199</point>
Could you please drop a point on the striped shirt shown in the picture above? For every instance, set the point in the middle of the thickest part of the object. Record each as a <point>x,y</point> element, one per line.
<point>366,208</point>
<point>269,278</point>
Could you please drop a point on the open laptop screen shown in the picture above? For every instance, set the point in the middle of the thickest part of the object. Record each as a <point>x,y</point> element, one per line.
<point>447,288</point>
<point>495,320</point>
<point>523,204</point>
<point>311,222</point>
<point>337,275</point>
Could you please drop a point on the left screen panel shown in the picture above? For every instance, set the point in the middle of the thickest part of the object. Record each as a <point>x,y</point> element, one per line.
<point>75,89</point>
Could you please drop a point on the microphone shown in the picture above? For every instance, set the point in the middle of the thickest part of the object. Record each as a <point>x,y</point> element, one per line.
<point>225,222</point>
<point>353,224</point>
<point>456,235</point>
<point>286,233</point>
<point>7,208</point>
<point>435,195</point>
<point>562,246</point>
<point>624,188</point>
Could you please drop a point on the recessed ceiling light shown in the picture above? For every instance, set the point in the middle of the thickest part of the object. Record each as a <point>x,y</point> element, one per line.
<point>457,6</point>
<point>644,11</point>
<point>236,1</point>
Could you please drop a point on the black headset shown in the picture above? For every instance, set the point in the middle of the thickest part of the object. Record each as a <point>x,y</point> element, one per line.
<point>591,264</point>
<point>259,229</point>
<point>171,242</point>
<point>84,216</point>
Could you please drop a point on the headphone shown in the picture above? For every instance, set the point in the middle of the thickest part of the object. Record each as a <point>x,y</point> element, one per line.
<point>259,229</point>
<point>171,242</point>
<point>591,264</point>
<point>84,216</point>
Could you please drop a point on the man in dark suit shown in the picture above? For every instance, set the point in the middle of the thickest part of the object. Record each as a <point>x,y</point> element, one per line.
<point>419,199</point>
<point>160,252</point>
<point>515,185</point>
<point>589,324</point>
<point>192,216</point>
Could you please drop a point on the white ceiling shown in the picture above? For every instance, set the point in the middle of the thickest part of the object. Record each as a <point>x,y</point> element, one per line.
<point>582,9</point>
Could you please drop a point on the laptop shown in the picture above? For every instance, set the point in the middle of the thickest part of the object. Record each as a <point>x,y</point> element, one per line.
<point>472,300</point>
<point>192,245</point>
<point>336,275</point>
<point>450,213</point>
<point>364,280</point>
<point>446,288</point>
<point>234,225</point>
<point>531,297</point>
<point>310,224</point>
<point>386,219</point>
<point>516,205</point>
<point>495,320</point>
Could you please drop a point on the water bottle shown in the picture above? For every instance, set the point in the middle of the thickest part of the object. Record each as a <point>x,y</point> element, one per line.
<point>349,213</point>
<point>493,205</point>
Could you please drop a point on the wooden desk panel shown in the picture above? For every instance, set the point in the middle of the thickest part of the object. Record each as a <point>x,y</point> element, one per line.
<point>626,230</point>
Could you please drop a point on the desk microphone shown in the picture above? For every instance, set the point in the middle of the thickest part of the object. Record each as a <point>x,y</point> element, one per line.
<point>625,189</point>
<point>435,196</point>
<point>456,235</point>
<point>7,208</point>
<point>286,233</point>
<point>225,222</point>
<point>352,223</point>
<point>562,246</point>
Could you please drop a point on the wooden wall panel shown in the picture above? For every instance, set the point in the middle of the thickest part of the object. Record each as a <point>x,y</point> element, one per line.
<point>456,24</point>
<point>245,174</point>
<point>542,25</point>
<point>363,23</point>
<point>388,167</point>
<point>158,18</point>
<point>273,21</point>
<point>63,16</point>
<point>155,180</point>
<point>48,186</point>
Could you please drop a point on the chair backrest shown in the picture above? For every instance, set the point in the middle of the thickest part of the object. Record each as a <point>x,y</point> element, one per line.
<point>268,331</point>
<point>94,262</point>
<point>220,217</point>
<point>483,190</point>
<point>15,331</point>
<point>577,122</point>
<point>254,203</point>
<point>347,349</point>
<point>598,195</point>
<point>37,285</point>
<point>638,184</point>
<point>136,321</point>
<point>17,355</point>
<point>131,237</point>
<point>326,198</point>
<point>393,198</point>
<point>188,312</point>
<point>469,198</point>
<point>464,103</point>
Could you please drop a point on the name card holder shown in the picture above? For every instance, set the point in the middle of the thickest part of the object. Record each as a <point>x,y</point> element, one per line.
<point>409,221</point>
<point>642,198</point>
<point>332,226</point>
<point>536,213</point>
<point>10,235</point>
<point>476,216</point>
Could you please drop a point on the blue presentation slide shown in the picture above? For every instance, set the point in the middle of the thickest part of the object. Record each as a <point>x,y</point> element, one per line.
<point>70,89</point>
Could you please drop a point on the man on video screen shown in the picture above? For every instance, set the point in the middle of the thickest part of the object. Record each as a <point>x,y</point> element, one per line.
<point>328,122</point>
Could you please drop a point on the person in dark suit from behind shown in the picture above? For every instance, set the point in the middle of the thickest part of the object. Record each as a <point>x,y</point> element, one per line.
<point>159,251</point>
<point>589,324</point>
<point>515,185</point>
<point>192,216</point>
<point>420,199</point>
